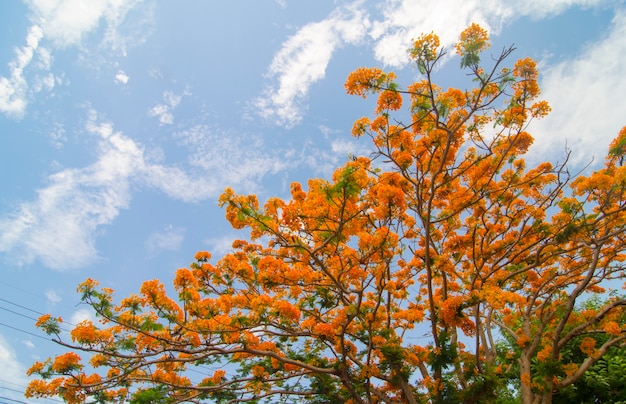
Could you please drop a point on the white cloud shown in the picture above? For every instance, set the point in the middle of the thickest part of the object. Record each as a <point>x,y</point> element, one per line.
<point>219,246</point>
<point>53,297</point>
<point>586,95</point>
<point>121,77</point>
<point>231,157</point>
<point>177,184</point>
<point>57,134</point>
<point>82,315</point>
<point>64,23</point>
<point>58,227</point>
<point>302,61</point>
<point>405,20</point>
<point>543,9</point>
<point>303,58</point>
<point>170,239</point>
<point>67,22</point>
<point>346,147</point>
<point>164,111</point>
<point>13,373</point>
<point>14,89</point>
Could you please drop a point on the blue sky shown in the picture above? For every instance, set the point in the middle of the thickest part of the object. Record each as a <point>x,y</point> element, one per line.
<point>122,121</point>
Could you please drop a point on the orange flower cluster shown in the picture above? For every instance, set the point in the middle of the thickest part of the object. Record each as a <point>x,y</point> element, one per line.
<point>588,346</point>
<point>364,80</point>
<point>474,39</point>
<point>426,46</point>
<point>66,362</point>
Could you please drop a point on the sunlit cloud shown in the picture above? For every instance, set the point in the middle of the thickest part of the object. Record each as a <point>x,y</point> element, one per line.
<point>405,20</point>
<point>81,315</point>
<point>586,95</point>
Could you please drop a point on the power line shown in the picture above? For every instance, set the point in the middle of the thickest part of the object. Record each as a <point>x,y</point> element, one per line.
<point>19,314</point>
<point>31,310</point>
<point>36,295</point>
<point>21,392</point>
<point>12,400</point>
<point>22,307</point>
<point>26,332</point>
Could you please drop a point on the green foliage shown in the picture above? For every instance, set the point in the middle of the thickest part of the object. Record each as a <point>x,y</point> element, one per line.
<point>604,382</point>
<point>151,395</point>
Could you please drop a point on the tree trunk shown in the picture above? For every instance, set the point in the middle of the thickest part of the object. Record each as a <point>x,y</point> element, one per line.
<point>525,385</point>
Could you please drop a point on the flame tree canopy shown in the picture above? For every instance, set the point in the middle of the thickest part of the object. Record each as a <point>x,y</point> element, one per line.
<point>438,269</point>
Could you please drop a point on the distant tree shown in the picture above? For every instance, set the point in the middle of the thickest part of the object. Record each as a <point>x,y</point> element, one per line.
<point>398,281</point>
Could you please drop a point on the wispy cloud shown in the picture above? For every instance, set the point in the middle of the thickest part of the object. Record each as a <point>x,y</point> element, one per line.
<point>170,239</point>
<point>303,58</point>
<point>68,22</point>
<point>164,111</point>
<point>219,246</point>
<point>62,23</point>
<point>302,61</point>
<point>53,297</point>
<point>232,157</point>
<point>58,228</point>
<point>14,89</point>
<point>405,20</point>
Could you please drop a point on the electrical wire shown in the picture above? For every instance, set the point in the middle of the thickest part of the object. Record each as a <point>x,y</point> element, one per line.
<point>25,332</point>
<point>12,400</point>
<point>22,307</point>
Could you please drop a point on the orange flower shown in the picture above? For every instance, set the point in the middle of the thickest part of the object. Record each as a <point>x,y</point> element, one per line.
<point>257,371</point>
<point>425,47</point>
<point>288,310</point>
<point>202,256</point>
<point>66,362</point>
<point>473,39</point>
<point>612,328</point>
<point>523,340</point>
<point>588,346</point>
<point>36,368</point>
<point>185,278</point>
<point>218,376</point>
<point>42,320</point>
<point>545,353</point>
<point>388,100</point>
<point>324,330</point>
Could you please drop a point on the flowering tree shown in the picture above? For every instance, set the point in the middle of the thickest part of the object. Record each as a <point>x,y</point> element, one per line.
<point>443,231</point>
